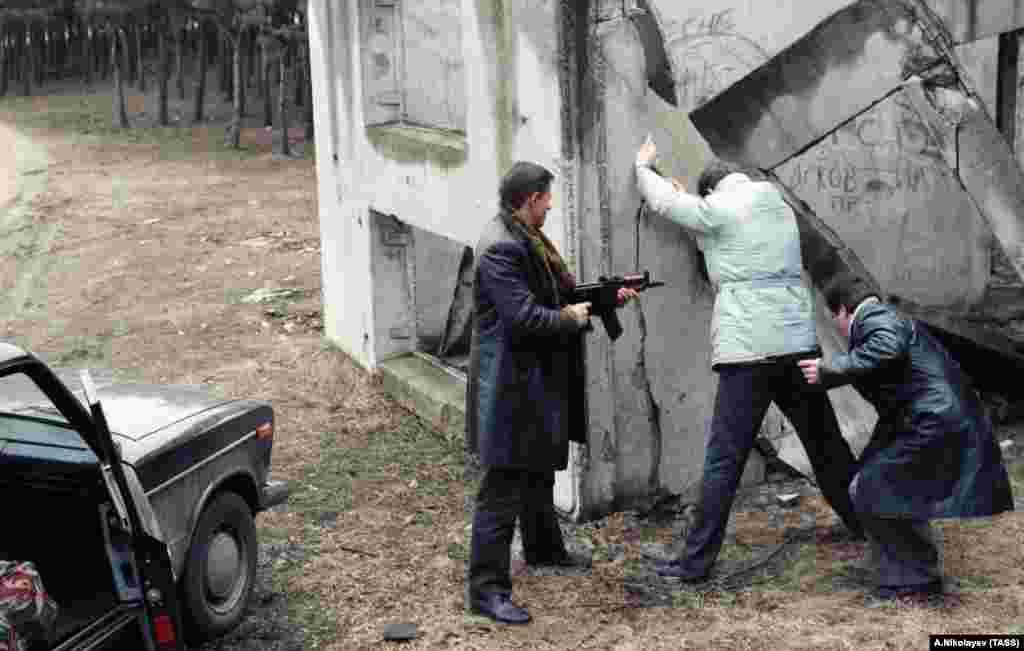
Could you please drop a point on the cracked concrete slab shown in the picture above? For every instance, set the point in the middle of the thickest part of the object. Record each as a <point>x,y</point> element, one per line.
<point>981,159</point>
<point>972,20</point>
<point>847,63</point>
<point>876,90</point>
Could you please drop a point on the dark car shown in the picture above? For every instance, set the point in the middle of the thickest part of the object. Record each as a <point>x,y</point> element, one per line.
<point>135,503</point>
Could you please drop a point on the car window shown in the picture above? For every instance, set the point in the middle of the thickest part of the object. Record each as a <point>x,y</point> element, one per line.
<point>28,417</point>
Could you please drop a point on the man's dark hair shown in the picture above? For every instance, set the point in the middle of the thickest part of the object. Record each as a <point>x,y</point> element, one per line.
<point>847,290</point>
<point>522,180</point>
<point>714,172</point>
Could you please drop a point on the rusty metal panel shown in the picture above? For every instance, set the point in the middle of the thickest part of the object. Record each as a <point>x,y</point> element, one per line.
<point>847,63</point>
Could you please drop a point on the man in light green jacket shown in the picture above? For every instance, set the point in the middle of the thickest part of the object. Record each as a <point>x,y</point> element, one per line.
<point>762,324</point>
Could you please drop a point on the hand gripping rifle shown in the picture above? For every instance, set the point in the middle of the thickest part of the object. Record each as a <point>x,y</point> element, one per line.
<point>603,297</point>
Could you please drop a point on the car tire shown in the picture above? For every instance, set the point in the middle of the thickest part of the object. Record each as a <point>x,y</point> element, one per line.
<point>220,568</point>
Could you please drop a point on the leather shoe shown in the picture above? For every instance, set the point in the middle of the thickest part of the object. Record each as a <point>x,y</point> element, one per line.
<point>498,606</point>
<point>676,570</point>
<point>565,560</point>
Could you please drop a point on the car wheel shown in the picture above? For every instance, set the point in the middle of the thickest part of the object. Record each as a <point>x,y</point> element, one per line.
<point>220,568</point>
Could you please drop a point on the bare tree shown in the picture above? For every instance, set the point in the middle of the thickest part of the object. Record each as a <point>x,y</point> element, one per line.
<point>267,45</point>
<point>178,26</point>
<point>5,55</point>
<point>163,71</point>
<point>27,67</point>
<point>284,147</point>
<point>85,44</point>
<point>203,63</point>
<point>140,62</point>
<point>233,18</point>
<point>117,36</point>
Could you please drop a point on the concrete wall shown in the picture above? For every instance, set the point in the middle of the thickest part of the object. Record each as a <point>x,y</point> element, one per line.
<point>564,84</point>
<point>512,112</point>
<point>442,184</point>
<point>651,393</point>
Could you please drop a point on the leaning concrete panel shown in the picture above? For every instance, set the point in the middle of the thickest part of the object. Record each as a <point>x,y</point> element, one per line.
<point>980,158</point>
<point>435,280</point>
<point>971,20</point>
<point>882,184</point>
<point>847,63</point>
<point>938,263</point>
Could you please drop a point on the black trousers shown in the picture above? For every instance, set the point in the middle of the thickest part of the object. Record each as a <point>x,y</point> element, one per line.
<point>744,395</point>
<point>508,494</point>
<point>906,550</point>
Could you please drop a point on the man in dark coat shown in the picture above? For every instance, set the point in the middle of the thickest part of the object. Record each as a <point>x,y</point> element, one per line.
<point>932,454</point>
<point>524,399</point>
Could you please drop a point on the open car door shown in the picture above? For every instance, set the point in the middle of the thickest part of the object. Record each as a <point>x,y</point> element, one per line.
<point>141,561</point>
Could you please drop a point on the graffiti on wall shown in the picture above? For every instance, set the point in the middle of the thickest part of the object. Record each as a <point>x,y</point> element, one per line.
<point>708,54</point>
<point>877,157</point>
<point>881,182</point>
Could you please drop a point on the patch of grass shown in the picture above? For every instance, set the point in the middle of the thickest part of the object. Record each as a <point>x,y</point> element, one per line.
<point>975,583</point>
<point>82,351</point>
<point>326,490</point>
<point>726,598</point>
<point>423,519</point>
<point>305,608</point>
<point>274,303</point>
<point>694,599</point>
<point>648,534</point>
<point>1016,471</point>
<point>327,486</point>
<point>796,572</point>
<point>270,534</point>
<point>737,552</point>
<point>458,551</point>
<point>88,119</point>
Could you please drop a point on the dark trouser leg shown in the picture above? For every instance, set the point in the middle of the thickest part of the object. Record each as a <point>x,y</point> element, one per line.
<point>542,535</point>
<point>498,504</point>
<point>810,412</point>
<point>743,397</point>
<point>908,558</point>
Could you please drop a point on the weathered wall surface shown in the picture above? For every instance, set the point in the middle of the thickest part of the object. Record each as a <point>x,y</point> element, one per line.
<point>878,183</point>
<point>651,393</point>
<point>439,180</point>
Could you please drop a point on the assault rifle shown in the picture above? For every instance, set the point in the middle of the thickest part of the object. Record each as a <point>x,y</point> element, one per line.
<point>603,297</point>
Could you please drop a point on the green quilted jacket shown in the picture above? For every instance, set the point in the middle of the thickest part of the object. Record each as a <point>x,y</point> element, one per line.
<point>750,240</point>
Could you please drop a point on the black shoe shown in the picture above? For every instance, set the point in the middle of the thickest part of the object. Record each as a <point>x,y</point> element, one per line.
<point>566,560</point>
<point>498,606</point>
<point>676,570</point>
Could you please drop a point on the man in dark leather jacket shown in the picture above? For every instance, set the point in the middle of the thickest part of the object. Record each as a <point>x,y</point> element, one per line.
<point>932,454</point>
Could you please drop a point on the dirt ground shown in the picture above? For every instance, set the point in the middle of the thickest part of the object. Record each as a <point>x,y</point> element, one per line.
<point>148,263</point>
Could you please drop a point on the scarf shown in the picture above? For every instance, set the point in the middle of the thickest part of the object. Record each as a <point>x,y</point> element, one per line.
<point>548,253</point>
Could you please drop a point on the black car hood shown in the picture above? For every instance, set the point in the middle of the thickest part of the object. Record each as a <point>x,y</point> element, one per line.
<point>133,410</point>
<point>137,410</point>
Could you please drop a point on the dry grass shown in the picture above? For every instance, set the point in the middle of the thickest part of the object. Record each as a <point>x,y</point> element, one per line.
<point>378,499</point>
